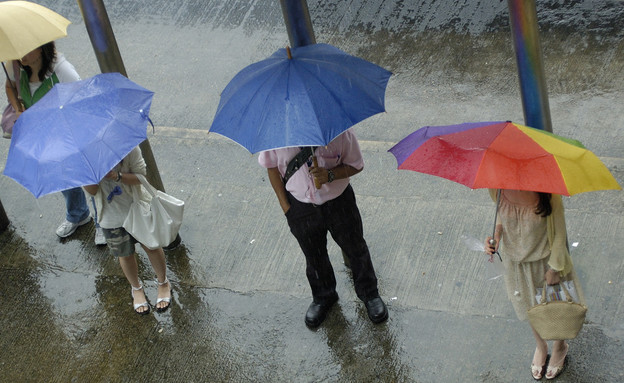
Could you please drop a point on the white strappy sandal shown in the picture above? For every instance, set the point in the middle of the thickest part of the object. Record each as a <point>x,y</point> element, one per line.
<point>166,300</point>
<point>139,305</point>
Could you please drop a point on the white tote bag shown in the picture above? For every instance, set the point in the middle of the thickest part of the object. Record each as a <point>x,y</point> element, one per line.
<point>154,223</point>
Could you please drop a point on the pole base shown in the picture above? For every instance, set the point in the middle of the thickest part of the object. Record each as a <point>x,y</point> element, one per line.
<point>176,242</point>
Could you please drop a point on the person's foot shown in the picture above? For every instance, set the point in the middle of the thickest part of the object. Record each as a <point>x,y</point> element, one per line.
<point>164,296</point>
<point>317,312</point>
<point>68,228</point>
<point>557,362</point>
<point>377,310</point>
<point>538,365</point>
<point>99,236</point>
<point>139,301</point>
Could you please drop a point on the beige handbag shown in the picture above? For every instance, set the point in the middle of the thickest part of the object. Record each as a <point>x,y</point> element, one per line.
<point>557,320</point>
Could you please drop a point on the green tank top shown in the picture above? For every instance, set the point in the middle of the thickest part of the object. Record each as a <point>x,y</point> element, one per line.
<point>30,99</point>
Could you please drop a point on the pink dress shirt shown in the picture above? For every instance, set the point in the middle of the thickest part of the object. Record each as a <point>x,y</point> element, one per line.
<point>344,149</point>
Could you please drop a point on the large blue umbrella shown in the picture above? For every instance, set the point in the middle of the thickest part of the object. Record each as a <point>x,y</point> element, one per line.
<point>77,133</point>
<point>301,97</point>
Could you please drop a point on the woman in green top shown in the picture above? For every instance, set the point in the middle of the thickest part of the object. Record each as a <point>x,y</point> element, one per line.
<point>40,69</point>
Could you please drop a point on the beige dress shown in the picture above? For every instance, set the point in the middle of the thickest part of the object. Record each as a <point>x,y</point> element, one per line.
<point>530,244</point>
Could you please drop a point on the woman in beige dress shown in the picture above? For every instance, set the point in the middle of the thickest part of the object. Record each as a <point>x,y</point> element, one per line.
<point>534,248</point>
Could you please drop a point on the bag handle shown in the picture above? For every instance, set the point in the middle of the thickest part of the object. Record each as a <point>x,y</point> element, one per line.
<point>150,189</point>
<point>562,285</point>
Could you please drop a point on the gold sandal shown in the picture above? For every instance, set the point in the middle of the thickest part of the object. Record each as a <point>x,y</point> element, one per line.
<point>538,371</point>
<point>553,371</point>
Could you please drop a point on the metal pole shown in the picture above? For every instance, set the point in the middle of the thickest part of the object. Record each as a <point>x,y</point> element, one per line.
<point>108,57</point>
<point>301,33</point>
<point>4,220</point>
<point>298,23</point>
<point>523,19</point>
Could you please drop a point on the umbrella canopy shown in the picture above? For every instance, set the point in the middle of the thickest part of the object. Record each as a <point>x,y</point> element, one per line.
<point>504,155</point>
<point>303,97</point>
<point>25,26</point>
<point>77,133</point>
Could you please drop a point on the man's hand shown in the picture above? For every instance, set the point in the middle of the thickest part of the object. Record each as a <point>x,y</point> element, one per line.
<point>279,188</point>
<point>319,174</point>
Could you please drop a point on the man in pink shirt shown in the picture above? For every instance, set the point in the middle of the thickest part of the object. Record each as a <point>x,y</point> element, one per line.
<point>312,212</point>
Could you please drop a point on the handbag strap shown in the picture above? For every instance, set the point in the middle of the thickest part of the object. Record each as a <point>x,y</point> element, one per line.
<point>297,162</point>
<point>150,189</point>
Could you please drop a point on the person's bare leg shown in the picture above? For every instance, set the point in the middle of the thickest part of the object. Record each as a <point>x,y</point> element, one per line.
<point>557,360</point>
<point>131,271</point>
<point>539,357</point>
<point>157,259</point>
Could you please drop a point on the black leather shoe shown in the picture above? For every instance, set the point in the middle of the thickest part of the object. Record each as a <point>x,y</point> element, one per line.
<point>377,311</point>
<point>318,311</point>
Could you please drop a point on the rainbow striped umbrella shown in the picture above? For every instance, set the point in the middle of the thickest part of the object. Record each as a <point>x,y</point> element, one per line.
<point>504,155</point>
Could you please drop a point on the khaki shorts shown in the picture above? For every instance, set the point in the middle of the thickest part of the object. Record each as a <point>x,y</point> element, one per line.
<point>120,243</point>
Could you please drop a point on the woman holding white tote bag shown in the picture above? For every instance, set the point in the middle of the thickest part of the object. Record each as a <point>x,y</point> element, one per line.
<point>114,197</point>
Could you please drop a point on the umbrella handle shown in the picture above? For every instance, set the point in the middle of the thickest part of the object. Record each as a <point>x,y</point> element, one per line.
<point>498,195</point>
<point>493,241</point>
<point>13,87</point>
<point>317,183</point>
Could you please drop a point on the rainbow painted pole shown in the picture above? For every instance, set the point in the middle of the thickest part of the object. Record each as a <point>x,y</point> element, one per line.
<point>523,19</point>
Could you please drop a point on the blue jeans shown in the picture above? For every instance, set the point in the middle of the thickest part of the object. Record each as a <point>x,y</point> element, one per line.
<point>76,204</point>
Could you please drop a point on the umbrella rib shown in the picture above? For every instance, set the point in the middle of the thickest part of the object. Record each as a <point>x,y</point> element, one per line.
<point>330,64</point>
<point>256,96</point>
<point>334,95</point>
<point>267,108</point>
<point>248,74</point>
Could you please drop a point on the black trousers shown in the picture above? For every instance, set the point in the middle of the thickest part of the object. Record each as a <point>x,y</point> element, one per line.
<point>340,217</point>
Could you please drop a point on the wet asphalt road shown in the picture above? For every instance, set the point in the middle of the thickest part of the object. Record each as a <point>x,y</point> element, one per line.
<point>239,285</point>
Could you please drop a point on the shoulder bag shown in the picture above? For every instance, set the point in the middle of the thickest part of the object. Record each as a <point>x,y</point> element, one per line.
<point>8,120</point>
<point>154,223</point>
<point>297,161</point>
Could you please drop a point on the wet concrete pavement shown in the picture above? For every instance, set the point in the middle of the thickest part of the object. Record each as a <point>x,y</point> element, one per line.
<point>239,284</point>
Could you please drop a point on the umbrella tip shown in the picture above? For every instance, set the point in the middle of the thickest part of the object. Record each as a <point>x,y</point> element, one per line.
<point>288,52</point>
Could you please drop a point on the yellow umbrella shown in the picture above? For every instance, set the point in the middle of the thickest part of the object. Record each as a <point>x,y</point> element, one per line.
<point>25,26</point>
